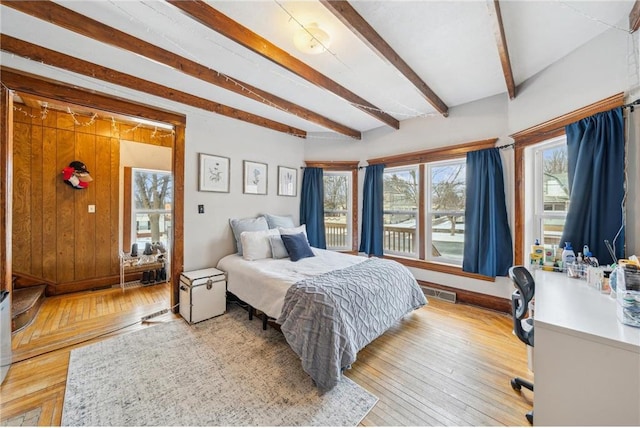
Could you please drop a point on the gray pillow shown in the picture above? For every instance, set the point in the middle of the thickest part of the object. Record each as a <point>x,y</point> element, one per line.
<point>276,221</point>
<point>239,225</point>
<point>278,250</point>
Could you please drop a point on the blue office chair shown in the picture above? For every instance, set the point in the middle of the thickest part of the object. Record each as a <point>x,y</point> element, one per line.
<point>522,321</point>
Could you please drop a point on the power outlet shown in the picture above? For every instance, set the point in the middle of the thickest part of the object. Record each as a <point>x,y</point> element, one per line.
<point>200,209</point>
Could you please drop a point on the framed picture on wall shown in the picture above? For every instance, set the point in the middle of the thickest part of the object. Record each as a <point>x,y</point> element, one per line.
<point>287,181</point>
<point>214,173</point>
<point>255,178</point>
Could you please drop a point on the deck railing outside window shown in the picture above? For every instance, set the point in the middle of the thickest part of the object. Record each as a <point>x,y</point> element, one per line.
<point>336,234</point>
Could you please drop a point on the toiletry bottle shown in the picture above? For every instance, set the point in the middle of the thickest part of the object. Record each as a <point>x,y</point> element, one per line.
<point>537,248</point>
<point>568,256</point>
<point>590,260</point>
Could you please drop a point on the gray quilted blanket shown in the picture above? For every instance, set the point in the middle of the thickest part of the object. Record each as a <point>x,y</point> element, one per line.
<point>329,318</point>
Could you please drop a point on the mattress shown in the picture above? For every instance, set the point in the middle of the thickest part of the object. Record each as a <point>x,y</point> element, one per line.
<point>263,283</point>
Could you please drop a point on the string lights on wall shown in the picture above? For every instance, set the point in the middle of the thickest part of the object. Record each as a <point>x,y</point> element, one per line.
<point>91,121</point>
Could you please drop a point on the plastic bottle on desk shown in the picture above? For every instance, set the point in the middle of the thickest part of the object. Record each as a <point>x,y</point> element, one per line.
<point>590,260</point>
<point>538,249</point>
<point>569,261</point>
<point>568,256</point>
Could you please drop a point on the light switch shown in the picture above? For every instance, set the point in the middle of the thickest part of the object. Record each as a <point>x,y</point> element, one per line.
<point>92,208</point>
<point>200,209</point>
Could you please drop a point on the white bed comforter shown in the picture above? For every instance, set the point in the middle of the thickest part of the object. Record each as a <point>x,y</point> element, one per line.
<point>264,283</point>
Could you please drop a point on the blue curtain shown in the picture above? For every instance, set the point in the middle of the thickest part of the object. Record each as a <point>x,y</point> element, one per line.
<point>312,206</point>
<point>371,238</point>
<point>595,148</point>
<point>488,247</point>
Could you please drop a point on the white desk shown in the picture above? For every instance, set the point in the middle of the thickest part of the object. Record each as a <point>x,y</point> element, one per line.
<point>586,363</point>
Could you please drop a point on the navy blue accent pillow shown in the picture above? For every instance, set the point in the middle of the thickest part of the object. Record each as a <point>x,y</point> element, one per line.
<point>297,246</point>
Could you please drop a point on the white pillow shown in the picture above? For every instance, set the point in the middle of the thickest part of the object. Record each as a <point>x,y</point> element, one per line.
<point>256,245</point>
<point>294,230</point>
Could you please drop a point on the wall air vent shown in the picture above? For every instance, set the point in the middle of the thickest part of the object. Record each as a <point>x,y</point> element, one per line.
<point>447,296</point>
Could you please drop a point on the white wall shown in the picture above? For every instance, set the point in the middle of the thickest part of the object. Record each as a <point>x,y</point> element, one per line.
<point>208,237</point>
<point>597,70</point>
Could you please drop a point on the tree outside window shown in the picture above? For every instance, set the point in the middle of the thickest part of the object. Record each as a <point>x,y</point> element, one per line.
<point>152,205</point>
<point>337,215</point>
<point>445,210</point>
<point>400,201</point>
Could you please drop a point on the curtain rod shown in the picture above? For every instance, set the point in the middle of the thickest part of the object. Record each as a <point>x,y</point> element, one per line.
<point>506,146</point>
<point>631,104</point>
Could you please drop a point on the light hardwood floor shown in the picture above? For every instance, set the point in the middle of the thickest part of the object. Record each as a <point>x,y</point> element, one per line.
<point>444,364</point>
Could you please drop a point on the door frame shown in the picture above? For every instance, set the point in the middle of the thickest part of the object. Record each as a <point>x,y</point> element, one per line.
<point>65,93</point>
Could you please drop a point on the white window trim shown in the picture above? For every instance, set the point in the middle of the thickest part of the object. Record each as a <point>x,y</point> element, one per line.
<point>135,211</point>
<point>348,212</point>
<point>429,213</point>
<point>416,242</point>
<point>535,200</point>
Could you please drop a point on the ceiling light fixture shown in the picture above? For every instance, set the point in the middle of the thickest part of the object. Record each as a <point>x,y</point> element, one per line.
<point>311,39</point>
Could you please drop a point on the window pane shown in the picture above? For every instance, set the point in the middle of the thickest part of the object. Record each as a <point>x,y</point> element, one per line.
<point>555,186</point>
<point>337,216</point>
<point>152,205</point>
<point>400,232</point>
<point>152,227</point>
<point>448,187</point>
<point>400,210</point>
<point>552,230</point>
<point>152,190</point>
<point>336,192</point>
<point>401,189</point>
<point>335,228</point>
<point>447,237</point>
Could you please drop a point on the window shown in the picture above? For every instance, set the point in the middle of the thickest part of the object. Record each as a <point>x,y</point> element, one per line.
<point>337,209</point>
<point>445,202</point>
<point>400,204</point>
<point>551,191</point>
<point>424,201</point>
<point>152,204</point>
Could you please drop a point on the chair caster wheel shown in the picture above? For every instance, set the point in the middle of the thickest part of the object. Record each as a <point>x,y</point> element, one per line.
<point>515,385</point>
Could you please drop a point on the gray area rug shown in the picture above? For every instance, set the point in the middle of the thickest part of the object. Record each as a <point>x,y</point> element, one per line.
<point>225,371</point>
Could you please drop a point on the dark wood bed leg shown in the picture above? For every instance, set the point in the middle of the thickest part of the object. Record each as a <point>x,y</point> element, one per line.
<point>250,312</point>
<point>264,321</point>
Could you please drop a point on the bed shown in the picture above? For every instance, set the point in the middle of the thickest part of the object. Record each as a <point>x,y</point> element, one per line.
<point>328,306</point>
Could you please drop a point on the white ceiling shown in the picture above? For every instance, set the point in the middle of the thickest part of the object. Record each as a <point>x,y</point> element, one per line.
<point>450,44</point>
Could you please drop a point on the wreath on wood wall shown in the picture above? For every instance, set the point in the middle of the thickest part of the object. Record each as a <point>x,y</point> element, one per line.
<point>76,175</point>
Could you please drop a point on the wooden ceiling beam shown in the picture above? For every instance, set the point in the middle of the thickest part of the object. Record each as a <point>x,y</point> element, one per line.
<point>30,83</point>
<point>634,17</point>
<point>58,15</point>
<point>60,60</point>
<point>501,43</point>
<point>208,16</point>
<point>361,28</point>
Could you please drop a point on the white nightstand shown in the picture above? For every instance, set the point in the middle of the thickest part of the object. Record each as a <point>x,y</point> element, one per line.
<point>202,294</point>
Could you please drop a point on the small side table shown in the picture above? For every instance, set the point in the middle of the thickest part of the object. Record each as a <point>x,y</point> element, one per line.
<point>202,294</point>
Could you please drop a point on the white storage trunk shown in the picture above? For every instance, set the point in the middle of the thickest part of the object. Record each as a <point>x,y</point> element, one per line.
<point>202,294</point>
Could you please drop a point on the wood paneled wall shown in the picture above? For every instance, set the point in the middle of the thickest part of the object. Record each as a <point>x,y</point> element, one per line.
<point>54,236</point>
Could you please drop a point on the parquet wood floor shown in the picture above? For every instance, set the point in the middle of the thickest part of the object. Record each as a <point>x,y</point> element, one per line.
<point>444,364</point>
